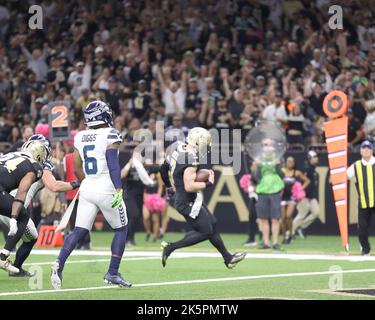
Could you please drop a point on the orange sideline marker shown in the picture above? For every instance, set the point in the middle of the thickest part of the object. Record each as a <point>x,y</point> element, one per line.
<point>335,106</point>
<point>48,238</point>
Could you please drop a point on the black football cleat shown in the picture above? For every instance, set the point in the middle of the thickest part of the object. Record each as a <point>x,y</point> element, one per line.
<point>117,279</point>
<point>22,274</point>
<point>165,253</point>
<point>237,257</point>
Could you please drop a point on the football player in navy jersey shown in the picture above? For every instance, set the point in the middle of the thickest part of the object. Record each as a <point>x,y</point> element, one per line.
<point>183,166</point>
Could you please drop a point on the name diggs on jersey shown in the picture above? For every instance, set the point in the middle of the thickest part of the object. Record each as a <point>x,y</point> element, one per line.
<point>89,138</point>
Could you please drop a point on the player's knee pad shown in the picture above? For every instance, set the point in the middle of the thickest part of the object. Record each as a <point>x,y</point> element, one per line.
<point>31,233</point>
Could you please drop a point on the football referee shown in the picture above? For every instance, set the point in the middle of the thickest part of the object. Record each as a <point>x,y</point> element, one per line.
<point>364,172</point>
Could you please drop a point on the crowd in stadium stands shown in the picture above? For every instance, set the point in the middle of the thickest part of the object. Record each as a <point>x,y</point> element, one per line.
<point>213,63</point>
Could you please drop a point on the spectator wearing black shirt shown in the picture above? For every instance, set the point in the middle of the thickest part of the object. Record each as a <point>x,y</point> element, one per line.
<point>213,94</point>
<point>316,99</point>
<point>192,118</point>
<point>55,75</point>
<point>135,178</point>
<point>244,39</point>
<point>139,72</point>
<point>100,63</point>
<point>221,118</point>
<point>295,120</point>
<point>308,208</point>
<point>27,132</point>
<point>260,83</point>
<point>176,129</point>
<point>112,95</point>
<point>141,101</point>
<point>236,106</point>
<point>294,57</point>
<point>120,75</point>
<point>193,101</point>
<point>355,131</point>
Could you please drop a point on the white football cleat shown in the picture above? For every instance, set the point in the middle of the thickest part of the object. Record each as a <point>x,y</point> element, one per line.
<point>8,266</point>
<point>56,276</point>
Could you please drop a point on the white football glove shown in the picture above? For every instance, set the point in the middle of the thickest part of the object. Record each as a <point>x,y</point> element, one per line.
<point>12,227</point>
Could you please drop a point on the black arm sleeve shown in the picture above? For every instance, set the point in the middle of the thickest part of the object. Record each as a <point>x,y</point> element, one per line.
<point>257,174</point>
<point>164,172</point>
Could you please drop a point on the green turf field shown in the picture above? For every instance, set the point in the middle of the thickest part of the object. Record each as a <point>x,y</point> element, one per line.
<point>306,269</point>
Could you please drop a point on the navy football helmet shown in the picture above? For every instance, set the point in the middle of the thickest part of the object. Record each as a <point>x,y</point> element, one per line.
<point>45,141</point>
<point>97,113</point>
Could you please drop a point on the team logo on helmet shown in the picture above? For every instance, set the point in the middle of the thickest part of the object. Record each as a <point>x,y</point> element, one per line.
<point>36,149</point>
<point>44,140</point>
<point>199,138</point>
<point>97,113</point>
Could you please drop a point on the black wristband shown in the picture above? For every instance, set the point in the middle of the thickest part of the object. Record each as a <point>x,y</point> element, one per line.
<point>19,200</point>
<point>209,184</point>
<point>75,184</point>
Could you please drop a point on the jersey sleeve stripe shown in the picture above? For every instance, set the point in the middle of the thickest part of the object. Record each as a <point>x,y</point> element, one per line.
<point>48,166</point>
<point>111,136</point>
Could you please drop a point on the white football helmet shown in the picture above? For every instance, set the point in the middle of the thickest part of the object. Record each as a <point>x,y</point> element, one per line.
<point>36,149</point>
<point>199,139</point>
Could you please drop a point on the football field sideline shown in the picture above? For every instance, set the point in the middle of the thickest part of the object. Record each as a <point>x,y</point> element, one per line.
<point>186,254</point>
<point>303,270</point>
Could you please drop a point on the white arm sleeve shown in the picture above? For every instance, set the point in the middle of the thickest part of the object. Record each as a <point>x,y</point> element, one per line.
<point>35,187</point>
<point>350,172</point>
<point>143,175</point>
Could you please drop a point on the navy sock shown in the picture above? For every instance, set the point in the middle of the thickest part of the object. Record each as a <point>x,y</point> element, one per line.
<point>70,243</point>
<point>23,252</point>
<point>117,248</point>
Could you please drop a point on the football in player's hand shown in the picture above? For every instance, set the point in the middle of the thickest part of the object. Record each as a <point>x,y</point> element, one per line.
<point>202,175</point>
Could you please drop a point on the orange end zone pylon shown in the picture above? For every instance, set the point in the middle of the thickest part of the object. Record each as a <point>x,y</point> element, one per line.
<point>335,106</point>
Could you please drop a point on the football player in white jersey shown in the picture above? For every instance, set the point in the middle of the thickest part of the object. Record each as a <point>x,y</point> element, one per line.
<point>96,164</point>
<point>48,180</point>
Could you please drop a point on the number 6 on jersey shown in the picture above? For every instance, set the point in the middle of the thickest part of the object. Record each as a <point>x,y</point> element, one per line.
<point>91,166</point>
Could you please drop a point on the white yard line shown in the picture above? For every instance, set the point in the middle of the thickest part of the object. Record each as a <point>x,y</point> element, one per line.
<point>88,261</point>
<point>171,283</point>
<point>185,254</point>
